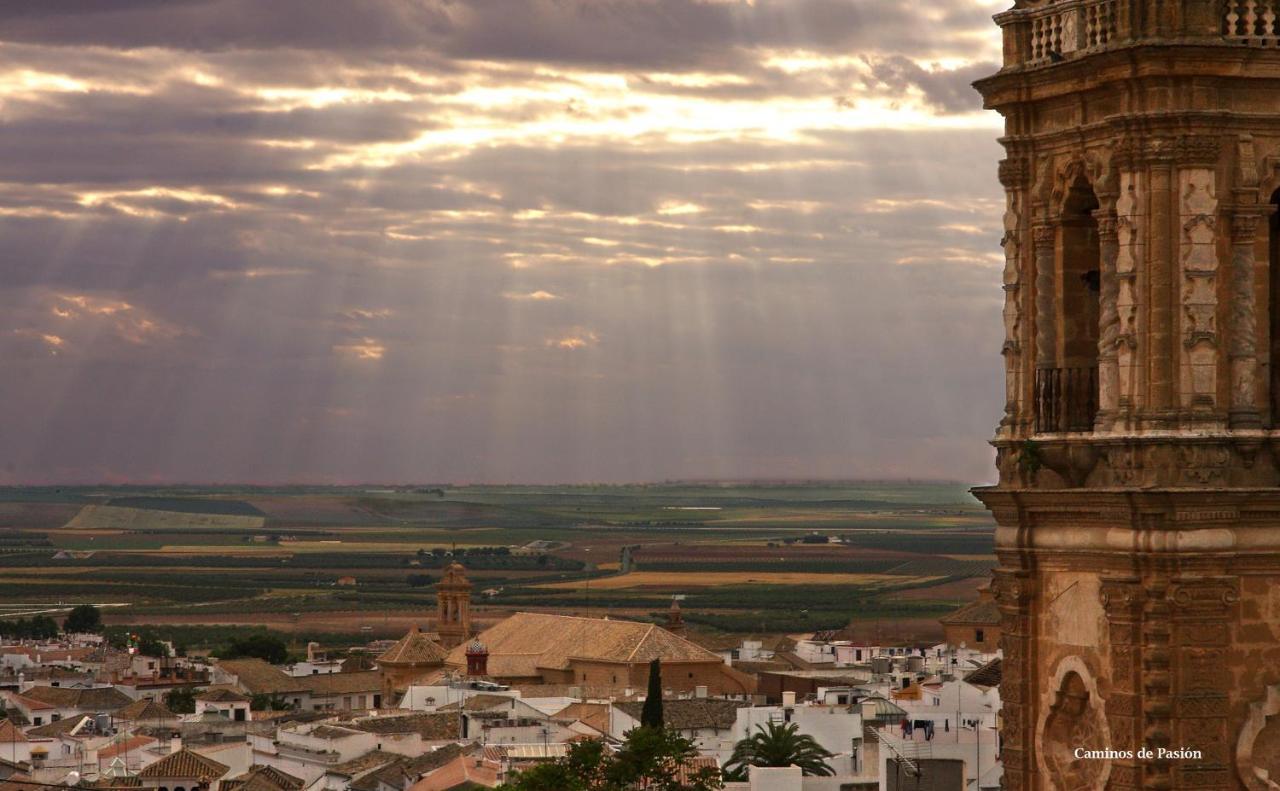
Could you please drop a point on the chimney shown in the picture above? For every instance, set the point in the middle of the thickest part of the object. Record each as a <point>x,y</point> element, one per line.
<point>788,698</point>
<point>175,743</point>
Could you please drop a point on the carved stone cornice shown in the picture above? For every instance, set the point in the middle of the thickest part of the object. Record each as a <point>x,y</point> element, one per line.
<point>1206,596</point>
<point>1011,589</point>
<point>1190,150</point>
<point>1014,172</point>
<point>1044,235</point>
<point>1121,598</point>
<point>1244,227</point>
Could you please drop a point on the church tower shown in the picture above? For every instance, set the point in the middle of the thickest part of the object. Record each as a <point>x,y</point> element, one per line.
<point>1138,502</point>
<point>453,606</point>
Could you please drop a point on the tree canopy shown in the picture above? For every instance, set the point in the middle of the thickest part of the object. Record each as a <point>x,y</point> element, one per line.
<point>776,744</point>
<point>260,646</point>
<point>37,627</point>
<point>83,618</point>
<point>650,758</point>
<point>181,700</point>
<point>651,714</point>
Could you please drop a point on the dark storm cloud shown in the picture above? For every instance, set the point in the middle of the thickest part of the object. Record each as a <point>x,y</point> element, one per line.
<point>518,240</point>
<point>662,33</point>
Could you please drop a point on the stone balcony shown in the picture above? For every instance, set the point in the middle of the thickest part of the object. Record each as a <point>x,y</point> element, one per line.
<point>1041,32</point>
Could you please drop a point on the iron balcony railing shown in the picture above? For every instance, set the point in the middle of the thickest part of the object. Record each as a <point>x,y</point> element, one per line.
<point>1066,399</point>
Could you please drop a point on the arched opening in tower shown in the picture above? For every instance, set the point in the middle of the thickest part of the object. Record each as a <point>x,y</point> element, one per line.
<point>1273,306</point>
<point>1080,277</point>
<point>1068,392</point>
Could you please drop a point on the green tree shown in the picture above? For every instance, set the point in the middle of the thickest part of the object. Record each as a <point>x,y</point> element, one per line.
<point>259,646</point>
<point>263,701</point>
<point>774,744</point>
<point>150,646</point>
<point>83,618</point>
<point>650,758</point>
<point>181,700</point>
<point>651,714</point>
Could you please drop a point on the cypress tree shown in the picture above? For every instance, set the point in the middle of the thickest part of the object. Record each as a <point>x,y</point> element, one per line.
<point>651,714</point>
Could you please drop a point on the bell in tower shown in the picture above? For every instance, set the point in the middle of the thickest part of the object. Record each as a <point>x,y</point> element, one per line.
<point>1138,501</point>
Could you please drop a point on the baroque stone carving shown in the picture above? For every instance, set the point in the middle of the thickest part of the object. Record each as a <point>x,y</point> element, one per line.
<point>1196,150</point>
<point>1128,254</point>
<point>1258,745</point>
<point>1073,719</point>
<point>1199,258</point>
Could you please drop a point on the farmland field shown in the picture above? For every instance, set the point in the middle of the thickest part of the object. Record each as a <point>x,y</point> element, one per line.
<point>744,557</point>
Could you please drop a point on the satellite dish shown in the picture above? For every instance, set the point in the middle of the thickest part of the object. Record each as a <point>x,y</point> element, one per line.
<point>71,779</point>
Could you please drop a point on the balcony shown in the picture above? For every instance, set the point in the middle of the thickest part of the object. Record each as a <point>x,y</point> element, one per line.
<point>1066,399</point>
<point>1252,22</point>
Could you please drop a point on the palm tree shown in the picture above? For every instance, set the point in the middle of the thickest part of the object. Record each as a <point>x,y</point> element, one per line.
<point>778,745</point>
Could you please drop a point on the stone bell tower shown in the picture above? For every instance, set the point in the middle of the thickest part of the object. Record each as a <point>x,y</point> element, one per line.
<point>1138,502</point>
<point>453,606</point>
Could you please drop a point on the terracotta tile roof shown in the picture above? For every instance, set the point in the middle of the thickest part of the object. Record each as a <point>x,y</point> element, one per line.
<point>258,676</point>
<point>464,771</point>
<point>32,703</point>
<point>978,613</point>
<point>185,763</point>
<point>405,771</point>
<point>96,698</point>
<point>689,770</point>
<point>59,727</point>
<point>145,710</point>
<point>343,683</point>
<point>594,714</point>
<point>365,763</point>
<point>222,695</point>
<point>124,746</point>
<point>480,702</point>
<point>692,713</point>
<point>415,648</point>
<point>262,778</point>
<point>528,642</point>
<point>989,675</point>
<point>432,726</point>
<point>333,732</point>
<point>104,783</point>
<point>10,733</point>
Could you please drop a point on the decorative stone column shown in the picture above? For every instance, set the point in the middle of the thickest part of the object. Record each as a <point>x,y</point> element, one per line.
<point>1014,594</point>
<point>1044,236</point>
<point>1244,323</point>
<point>1130,224</point>
<point>1197,157</point>
<point>1109,318</point>
<point>1122,600</point>
<point>1203,606</point>
<point>1012,176</point>
<point>1160,267</point>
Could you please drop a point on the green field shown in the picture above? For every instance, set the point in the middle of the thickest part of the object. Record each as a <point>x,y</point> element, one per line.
<point>782,556</point>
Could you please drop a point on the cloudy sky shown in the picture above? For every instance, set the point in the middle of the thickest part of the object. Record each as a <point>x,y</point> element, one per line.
<point>497,240</point>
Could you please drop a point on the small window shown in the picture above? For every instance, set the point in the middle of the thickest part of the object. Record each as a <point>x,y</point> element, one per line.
<point>979,636</point>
